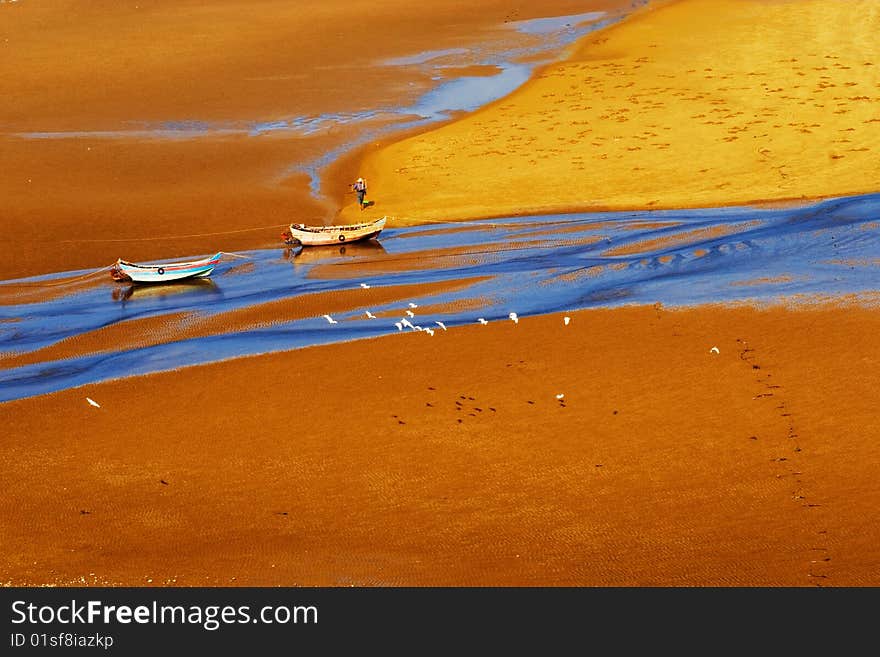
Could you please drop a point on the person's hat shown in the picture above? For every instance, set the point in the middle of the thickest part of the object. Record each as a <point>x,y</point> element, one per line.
<point>360,179</point>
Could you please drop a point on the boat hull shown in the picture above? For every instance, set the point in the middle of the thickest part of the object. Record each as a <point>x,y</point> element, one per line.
<point>166,272</point>
<point>336,235</point>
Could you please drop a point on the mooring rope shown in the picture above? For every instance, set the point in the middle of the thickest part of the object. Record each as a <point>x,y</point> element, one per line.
<point>173,237</point>
<point>82,277</point>
<point>66,281</point>
<point>70,281</point>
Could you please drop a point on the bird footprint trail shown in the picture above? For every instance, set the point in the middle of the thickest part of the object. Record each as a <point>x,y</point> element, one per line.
<point>792,459</point>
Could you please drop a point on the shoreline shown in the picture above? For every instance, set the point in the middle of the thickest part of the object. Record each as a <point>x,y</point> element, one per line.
<point>122,196</point>
<point>457,273</point>
<point>271,204</point>
<point>643,116</point>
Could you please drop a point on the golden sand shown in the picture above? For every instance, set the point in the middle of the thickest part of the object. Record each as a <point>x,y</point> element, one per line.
<point>690,104</point>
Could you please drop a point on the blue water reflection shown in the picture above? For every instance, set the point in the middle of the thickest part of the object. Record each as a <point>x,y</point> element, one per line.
<point>527,265</point>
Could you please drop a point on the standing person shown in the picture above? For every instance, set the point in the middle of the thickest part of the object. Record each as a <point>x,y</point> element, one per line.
<point>360,188</point>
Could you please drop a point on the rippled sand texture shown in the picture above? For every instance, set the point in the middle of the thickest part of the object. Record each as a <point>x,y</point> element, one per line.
<point>691,104</point>
<point>412,461</point>
<point>276,300</point>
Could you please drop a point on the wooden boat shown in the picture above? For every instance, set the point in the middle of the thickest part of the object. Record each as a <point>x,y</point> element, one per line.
<point>163,272</point>
<point>339,234</point>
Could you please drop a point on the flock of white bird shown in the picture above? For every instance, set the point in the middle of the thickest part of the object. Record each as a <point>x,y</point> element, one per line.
<point>406,323</point>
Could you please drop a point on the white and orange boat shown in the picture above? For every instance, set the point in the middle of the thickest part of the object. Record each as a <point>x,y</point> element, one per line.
<point>338,234</point>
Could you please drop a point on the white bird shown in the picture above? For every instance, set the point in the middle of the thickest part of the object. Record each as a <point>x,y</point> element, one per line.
<point>93,402</point>
<point>441,325</point>
<point>406,322</point>
<point>714,350</point>
<point>482,321</point>
<point>410,313</point>
<point>399,326</point>
<point>429,331</point>
<point>514,318</point>
<point>330,319</point>
<point>370,315</point>
<point>365,286</point>
<point>560,396</point>
<point>566,320</point>
<point>412,305</point>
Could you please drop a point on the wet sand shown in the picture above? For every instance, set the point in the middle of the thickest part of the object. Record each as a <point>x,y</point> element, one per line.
<point>410,460</point>
<point>444,460</point>
<point>79,202</point>
<point>687,104</point>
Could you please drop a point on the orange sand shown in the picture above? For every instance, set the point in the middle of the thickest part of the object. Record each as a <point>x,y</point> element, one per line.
<point>691,104</point>
<point>86,65</point>
<point>416,460</point>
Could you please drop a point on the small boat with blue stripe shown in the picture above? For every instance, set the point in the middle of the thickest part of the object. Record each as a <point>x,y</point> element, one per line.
<point>164,272</point>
